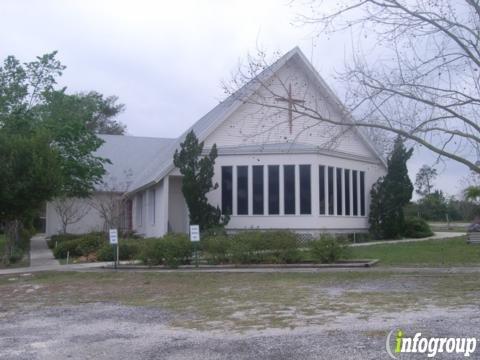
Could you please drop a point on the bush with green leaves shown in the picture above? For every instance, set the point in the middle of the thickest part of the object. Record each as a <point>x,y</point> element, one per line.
<point>328,249</point>
<point>215,248</point>
<point>66,247</point>
<point>171,250</point>
<point>253,247</point>
<point>57,239</point>
<point>416,227</point>
<point>80,245</point>
<point>129,250</point>
<point>90,243</point>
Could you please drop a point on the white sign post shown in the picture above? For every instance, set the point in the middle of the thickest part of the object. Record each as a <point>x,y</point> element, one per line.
<point>113,236</point>
<point>194,233</point>
<point>195,238</point>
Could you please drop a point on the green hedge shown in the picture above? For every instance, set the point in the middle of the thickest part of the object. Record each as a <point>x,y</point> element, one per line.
<point>328,249</point>
<point>129,250</point>
<point>171,250</point>
<point>252,247</point>
<point>80,245</point>
<point>416,227</point>
<point>59,238</point>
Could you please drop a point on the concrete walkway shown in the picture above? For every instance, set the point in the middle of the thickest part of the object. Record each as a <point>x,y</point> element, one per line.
<point>40,254</point>
<point>437,236</point>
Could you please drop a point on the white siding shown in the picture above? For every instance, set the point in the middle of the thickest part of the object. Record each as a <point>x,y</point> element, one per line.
<point>254,124</point>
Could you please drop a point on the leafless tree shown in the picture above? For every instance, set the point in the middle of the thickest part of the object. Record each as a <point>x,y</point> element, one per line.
<point>416,75</point>
<point>70,211</point>
<point>110,202</point>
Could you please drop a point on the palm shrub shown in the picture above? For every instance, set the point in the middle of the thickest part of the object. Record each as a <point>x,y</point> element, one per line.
<point>327,249</point>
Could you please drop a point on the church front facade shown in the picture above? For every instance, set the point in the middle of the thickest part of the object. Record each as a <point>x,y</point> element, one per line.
<point>276,168</point>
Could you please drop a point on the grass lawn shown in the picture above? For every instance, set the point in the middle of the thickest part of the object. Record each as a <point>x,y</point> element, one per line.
<point>246,301</point>
<point>451,252</point>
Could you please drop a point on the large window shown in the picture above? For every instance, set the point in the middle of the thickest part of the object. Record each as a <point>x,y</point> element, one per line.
<point>273,190</point>
<point>355,192</point>
<point>321,178</point>
<point>289,189</point>
<point>347,191</point>
<point>305,190</point>
<point>257,190</point>
<point>227,190</point>
<point>242,190</point>
<point>339,191</point>
<point>362,193</point>
<point>331,205</point>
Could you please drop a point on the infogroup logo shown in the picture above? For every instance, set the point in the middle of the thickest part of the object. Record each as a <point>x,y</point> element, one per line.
<point>428,346</point>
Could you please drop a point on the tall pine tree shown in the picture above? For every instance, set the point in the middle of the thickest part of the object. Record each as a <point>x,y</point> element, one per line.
<point>390,194</point>
<point>197,171</point>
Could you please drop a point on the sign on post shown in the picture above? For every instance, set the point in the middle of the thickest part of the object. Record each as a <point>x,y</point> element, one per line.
<point>113,237</point>
<point>194,233</point>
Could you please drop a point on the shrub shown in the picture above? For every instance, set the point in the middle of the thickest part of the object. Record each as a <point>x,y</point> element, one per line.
<point>79,245</point>
<point>248,247</point>
<point>171,250</point>
<point>216,249</point>
<point>61,238</point>
<point>251,247</point>
<point>328,249</point>
<point>416,227</point>
<point>16,255</point>
<point>283,246</point>
<point>129,250</point>
<point>89,243</point>
<point>60,252</point>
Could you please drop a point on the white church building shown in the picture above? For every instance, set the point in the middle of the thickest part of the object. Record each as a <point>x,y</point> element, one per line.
<point>276,169</point>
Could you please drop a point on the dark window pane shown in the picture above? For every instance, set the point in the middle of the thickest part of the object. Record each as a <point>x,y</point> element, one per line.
<point>330,191</point>
<point>273,190</point>
<point>322,189</point>
<point>242,190</point>
<point>347,192</point>
<point>339,191</point>
<point>289,188</point>
<point>305,190</point>
<point>227,191</point>
<point>258,190</point>
<point>355,192</point>
<point>362,193</point>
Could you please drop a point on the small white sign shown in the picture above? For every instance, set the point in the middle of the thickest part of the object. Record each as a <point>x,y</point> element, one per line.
<point>113,237</point>
<point>194,233</point>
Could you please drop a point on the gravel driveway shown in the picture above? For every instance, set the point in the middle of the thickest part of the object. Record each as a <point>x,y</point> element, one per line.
<point>107,331</point>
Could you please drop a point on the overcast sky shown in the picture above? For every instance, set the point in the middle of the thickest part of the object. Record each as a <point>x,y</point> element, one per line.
<point>165,60</point>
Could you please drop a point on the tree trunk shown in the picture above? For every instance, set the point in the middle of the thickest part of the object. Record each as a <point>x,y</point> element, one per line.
<point>11,238</point>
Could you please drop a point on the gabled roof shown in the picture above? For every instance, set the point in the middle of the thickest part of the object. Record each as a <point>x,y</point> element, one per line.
<point>128,155</point>
<point>162,164</point>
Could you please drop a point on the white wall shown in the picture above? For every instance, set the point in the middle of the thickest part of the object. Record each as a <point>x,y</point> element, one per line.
<point>177,208</point>
<point>149,226</point>
<point>92,221</point>
<point>256,124</point>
